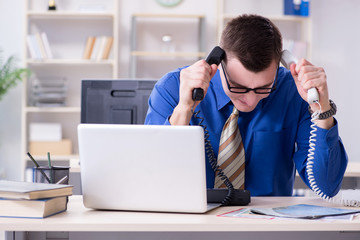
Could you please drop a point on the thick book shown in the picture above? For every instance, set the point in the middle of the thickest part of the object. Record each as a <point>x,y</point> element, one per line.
<point>39,208</point>
<point>31,190</point>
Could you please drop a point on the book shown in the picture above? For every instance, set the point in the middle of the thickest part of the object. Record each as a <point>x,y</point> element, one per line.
<point>46,45</point>
<point>101,49</point>
<point>39,208</point>
<point>305,211</point>
<point>108,46</point>
<point>90,42</point>
<point>31,47</point>
<point>96,48</point>
<point>41,46</point>
<point>31,190</point>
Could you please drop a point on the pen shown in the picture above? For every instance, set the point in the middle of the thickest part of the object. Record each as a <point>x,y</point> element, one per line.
<point>62,180</point>
<point>37,166</point>
<point>49,161</point>
<point>50,168</point>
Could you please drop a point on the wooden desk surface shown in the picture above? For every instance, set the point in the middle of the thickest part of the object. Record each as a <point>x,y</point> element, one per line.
<point>79,218</point>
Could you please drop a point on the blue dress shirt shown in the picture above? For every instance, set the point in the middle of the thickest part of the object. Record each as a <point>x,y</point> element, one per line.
<point>275,135</point>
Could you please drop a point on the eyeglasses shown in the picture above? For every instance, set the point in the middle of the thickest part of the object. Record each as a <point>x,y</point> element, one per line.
<point>242,90</point>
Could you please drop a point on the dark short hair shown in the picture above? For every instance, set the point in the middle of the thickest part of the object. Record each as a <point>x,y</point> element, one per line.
<point>254,40</point>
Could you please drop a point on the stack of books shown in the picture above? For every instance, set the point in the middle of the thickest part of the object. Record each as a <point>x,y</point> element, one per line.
<point>98,48</point>
<point>32,200</point>
<point>38,45</point>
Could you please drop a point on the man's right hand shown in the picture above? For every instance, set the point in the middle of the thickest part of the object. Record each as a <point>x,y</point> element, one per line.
<point>197,75</point>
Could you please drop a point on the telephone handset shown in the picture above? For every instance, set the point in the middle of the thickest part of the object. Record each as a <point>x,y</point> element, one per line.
<point>287,59</point>
<point>215,57</point>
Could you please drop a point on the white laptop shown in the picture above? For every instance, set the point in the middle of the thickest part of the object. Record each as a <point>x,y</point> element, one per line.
<point>143,167</point>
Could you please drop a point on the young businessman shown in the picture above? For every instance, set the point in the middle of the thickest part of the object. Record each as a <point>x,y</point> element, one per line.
<point>274,119</point>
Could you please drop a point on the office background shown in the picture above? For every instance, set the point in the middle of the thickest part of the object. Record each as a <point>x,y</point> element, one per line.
<point>335,38</point>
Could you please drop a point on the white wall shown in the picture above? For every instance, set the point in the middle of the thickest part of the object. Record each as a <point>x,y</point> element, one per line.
<point>336,38</point>
<point>12,43</point>
<point>335,47</point>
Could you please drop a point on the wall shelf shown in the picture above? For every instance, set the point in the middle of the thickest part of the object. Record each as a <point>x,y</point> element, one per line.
<point>53,109</point>
<point>69,14</point>
<point>45,62</point>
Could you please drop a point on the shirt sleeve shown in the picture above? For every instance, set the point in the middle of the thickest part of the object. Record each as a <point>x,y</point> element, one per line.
<point>330,159</point>
<point>163,99</point>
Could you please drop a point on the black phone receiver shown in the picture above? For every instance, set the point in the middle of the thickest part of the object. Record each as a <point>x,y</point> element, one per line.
<point>215,57</point>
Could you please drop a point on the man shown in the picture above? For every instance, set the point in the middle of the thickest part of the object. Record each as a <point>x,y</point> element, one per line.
<point>274,119</point>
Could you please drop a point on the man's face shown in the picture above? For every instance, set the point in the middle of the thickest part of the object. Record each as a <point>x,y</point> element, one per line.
<point>238,76</point>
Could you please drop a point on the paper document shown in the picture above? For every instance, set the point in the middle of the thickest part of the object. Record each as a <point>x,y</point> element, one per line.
<point>303,211</point>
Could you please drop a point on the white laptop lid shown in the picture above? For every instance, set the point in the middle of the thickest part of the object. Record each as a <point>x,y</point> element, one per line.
<point>143,167</point>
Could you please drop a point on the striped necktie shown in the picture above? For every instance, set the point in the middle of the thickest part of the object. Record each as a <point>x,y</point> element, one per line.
<point>231,158</point>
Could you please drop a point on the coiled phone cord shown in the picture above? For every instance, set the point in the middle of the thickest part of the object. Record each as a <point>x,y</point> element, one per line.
<point>310,163</point>
<point>311,153</point>
<point>213,161</point>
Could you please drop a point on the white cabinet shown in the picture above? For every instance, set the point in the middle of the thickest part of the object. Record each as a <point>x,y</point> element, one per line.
<point>67,30</point>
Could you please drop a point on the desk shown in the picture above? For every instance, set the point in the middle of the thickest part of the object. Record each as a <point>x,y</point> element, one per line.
<point>194,226</point>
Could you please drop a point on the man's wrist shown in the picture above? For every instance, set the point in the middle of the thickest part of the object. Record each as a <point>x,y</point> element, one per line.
<point>328,111</point>
<point>181,115</point>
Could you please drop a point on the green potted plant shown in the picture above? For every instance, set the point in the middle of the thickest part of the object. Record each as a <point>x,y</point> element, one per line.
<point>10,75</point>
